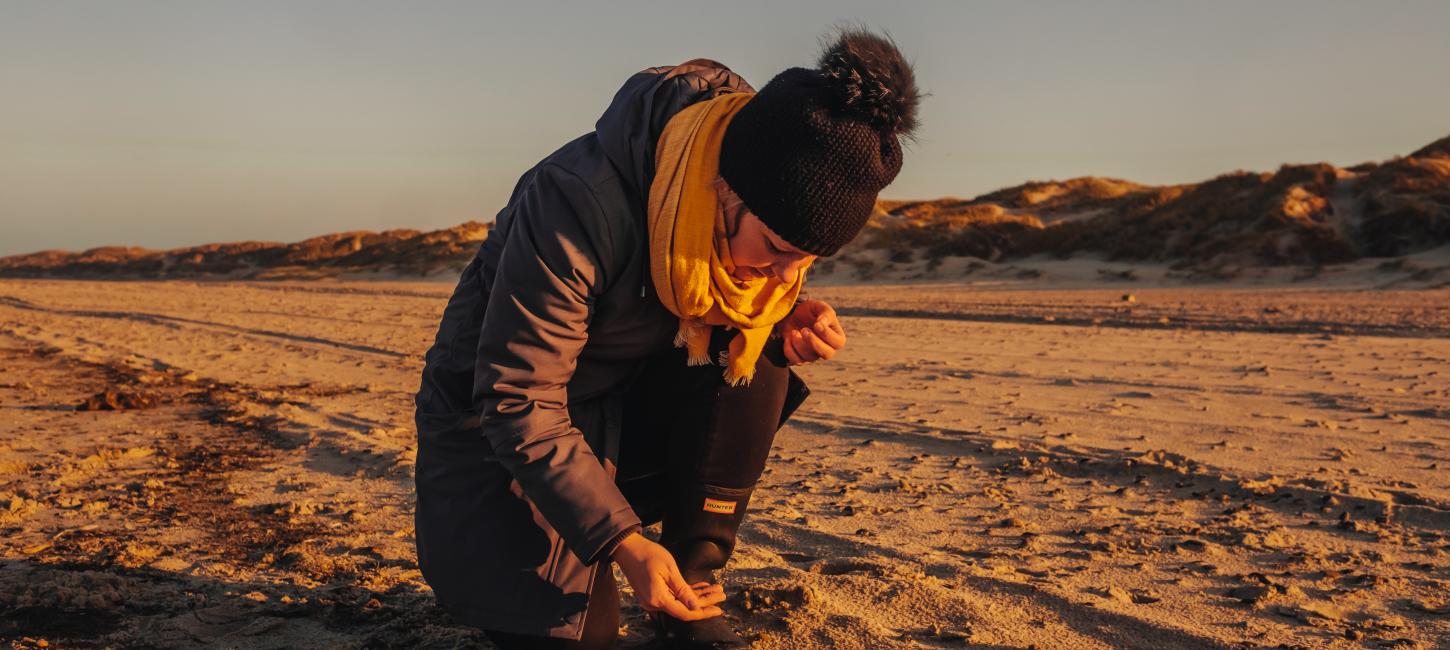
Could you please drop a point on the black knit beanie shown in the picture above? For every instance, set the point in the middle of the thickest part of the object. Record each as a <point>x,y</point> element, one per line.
<point>810,152</point>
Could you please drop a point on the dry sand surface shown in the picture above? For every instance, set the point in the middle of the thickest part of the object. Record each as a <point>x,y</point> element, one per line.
<point>1194,468</point>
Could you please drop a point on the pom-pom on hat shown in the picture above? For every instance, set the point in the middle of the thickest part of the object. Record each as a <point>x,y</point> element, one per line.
<point>810,152</point>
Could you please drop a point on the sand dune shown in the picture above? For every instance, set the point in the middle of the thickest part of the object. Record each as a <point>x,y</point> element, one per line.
<point>1301,217</point>
<point>979,469</point>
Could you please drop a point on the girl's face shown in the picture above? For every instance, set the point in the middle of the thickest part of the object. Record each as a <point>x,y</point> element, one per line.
<point>754,248</point>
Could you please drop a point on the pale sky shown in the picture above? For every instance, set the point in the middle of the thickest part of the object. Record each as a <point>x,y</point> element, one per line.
<point>165,124</point>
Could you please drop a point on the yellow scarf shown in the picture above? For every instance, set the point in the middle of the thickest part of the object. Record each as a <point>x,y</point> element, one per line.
<point>689,256</point>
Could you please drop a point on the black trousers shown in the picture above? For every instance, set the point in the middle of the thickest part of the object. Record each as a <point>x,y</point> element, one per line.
<point>682,427</point>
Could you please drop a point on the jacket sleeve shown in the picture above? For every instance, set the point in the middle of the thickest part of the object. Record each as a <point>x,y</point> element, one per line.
<point>536,323</point>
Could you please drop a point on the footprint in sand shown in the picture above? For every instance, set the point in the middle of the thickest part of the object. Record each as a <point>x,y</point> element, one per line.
<point>844,567</point>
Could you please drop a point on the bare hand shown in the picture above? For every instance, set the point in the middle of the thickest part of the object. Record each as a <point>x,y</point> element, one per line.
<point>812,332</point>
<point>658,585</point>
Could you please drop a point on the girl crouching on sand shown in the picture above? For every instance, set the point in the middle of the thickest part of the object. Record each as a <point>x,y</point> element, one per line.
<point>617,353</point>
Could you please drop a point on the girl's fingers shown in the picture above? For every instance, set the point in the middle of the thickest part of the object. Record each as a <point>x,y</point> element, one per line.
<point>820,348</point>
<point>803,346</point>
<point>790,354</point>
<point>678,610</point>
<point>679,600</point>
<point>682,591</point>
<point>711,599</point>
<point>797,343</point>
<point>824,312</point>
<point>710,591</point>
<point>829,330</point>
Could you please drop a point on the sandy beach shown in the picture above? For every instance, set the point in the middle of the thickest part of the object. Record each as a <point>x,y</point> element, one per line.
<point>213,464</point>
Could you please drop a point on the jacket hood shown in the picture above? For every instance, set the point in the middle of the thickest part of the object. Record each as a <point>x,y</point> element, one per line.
<point>632,124</point>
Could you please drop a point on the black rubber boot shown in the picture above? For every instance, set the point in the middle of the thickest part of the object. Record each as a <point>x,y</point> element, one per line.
<point>718,438</point>
<point>699,530</point>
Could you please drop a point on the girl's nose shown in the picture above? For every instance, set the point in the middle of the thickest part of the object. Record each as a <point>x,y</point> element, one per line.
<point>787,271</point>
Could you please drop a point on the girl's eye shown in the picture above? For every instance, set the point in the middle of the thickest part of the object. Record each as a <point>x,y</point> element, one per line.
<point>774,248</point>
